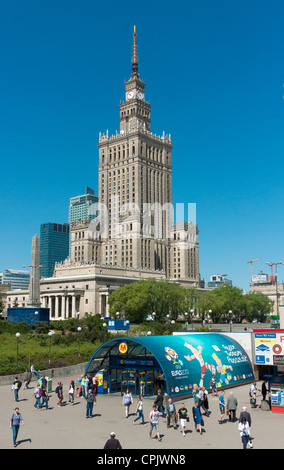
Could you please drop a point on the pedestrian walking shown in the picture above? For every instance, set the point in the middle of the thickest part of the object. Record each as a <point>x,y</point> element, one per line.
<point>95,384</point>
<point>202,400</point>
<point>154,422</point>
<point>139,410</point>
<point>91,401</point>
<point>83,380</point>
<point>244,431</point>
<point>159,402</point>
<point>59,391</point>
<point>112,443</point>
<point>196,413</point>
<point>253,390</point>
<point>71,392</point>
<point>15,421</point>
<point>245,414</point>
<point>37,394</point>
<point>232,404</point>
<point>127,400</point>
<point>44,398</point>
<point>222,406</point>
<point>27,377</point>
<point>87,380</point>
<point>16,387</point>
<point>195,393</point>
<point>171,413</point>
<point>213,386</point>
<point>33,371</point>
<point>264,390</point>
<point>183,415</point>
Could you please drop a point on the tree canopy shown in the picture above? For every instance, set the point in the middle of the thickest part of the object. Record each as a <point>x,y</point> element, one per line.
<point>139,299</point>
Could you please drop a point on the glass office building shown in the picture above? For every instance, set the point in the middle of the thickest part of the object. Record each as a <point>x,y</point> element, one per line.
<point>84,208</point>
<point>17,278</point>
<point>54,246</point>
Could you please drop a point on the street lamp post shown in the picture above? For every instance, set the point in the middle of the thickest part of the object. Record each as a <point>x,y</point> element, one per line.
<point>153,318</point>
<point>104,326</point>
<point>127,323</point>
<point>117,317</point>
<point>17,336</point>
<point>192,313</point>
<point>49,334</point>
<point>79,329</point>
<point>172,322</point>
<point>230,319</point>
<point>186,322</point>
<point>36,314</point>
<point>210,311</point>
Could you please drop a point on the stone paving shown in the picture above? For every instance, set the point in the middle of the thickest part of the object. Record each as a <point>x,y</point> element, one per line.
<point>66,427</point>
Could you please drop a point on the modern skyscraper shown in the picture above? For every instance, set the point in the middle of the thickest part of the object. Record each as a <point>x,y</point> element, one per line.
<point>82,208</point>
<point>54,246</point>
<point>18,279</point>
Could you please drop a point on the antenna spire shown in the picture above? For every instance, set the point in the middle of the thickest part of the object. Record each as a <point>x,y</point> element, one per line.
<point>134,55</point>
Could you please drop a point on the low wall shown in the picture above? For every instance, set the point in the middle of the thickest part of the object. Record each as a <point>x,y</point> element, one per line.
<point>51,373</point>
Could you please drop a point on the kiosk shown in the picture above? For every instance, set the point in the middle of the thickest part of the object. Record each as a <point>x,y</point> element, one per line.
<point>276,385</point>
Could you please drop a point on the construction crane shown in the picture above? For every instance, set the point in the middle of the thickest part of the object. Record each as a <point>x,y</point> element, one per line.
<point>251,263</point>
<point>271,265</point>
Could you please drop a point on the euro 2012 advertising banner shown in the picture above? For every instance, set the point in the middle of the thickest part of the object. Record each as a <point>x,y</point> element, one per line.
<point>194,359</point>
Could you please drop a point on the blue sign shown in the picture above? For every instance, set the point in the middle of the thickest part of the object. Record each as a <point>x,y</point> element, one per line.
<point>260,359</point>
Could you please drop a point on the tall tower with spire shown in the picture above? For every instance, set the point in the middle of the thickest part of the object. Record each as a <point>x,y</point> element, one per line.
<point>135,176</point>
<point>135,169</point>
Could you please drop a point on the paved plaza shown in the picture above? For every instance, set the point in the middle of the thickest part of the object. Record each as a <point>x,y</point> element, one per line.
<point>66,427</point>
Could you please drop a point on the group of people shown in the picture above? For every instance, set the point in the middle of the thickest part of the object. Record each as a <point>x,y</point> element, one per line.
<point>87,388</point>
<point>200,396</point>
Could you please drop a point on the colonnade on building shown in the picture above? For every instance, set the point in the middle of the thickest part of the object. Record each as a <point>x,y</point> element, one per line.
<point>63,305</point>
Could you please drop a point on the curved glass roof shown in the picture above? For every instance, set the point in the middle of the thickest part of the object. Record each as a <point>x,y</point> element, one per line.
<point>185,359</point>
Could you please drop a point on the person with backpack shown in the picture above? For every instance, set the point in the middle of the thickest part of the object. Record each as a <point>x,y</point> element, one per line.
<point>38,394</point>
<point>59,391</point>
<point>127,400</point>
<point>44,398</point>
<point>16,387</point>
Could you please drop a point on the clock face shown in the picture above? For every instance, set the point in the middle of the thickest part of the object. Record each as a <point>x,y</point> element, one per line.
<point>130,95</point>
<point>140,95</point>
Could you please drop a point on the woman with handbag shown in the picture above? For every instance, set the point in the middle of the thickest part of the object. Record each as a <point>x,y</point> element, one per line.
<point>244,431</point>
<point>71,392</point>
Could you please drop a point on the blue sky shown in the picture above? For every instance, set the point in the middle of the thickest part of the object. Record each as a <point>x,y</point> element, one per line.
<point>214,72</point>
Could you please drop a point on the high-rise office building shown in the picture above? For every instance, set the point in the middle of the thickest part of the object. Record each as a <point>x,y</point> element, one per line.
<point>82,208</point>
<point>54,246</point>
<point>135,189</point>
<point>18,279</point>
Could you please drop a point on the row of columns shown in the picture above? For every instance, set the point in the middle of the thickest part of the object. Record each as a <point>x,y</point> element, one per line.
<point>62,306</point>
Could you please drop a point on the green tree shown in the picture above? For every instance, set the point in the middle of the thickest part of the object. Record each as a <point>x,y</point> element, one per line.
<point>139,299</point>
<point>258,306</point>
